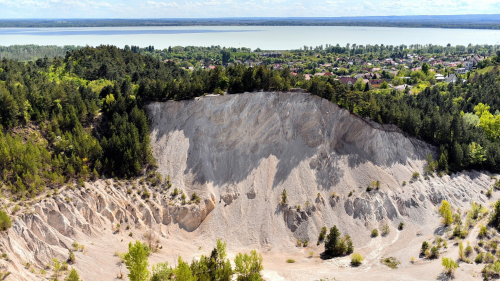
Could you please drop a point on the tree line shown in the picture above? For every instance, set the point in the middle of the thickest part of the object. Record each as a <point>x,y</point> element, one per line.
<point>82,116</point>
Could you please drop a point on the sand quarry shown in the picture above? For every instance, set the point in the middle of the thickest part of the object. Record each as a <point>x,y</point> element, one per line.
<point>238,153</point>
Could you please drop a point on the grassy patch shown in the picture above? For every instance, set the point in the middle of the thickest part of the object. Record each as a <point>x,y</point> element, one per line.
<point>290,261</point>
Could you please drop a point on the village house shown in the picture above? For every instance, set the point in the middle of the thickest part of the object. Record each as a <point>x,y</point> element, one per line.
<point>375,83</point>
<point>348,80</point>
<point>451,78</point>
<point>439,77</point>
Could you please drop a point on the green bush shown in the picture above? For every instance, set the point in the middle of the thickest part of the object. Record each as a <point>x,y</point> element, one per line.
<point>468,250</point>
<point>434,253</point>
<point>495,215</point>
<point>425,247</point>
<point>401,225</point>
<point>391,262</point>
<point>284,197</point>
<point>290,261</point>
<point>489,193</point>
<point>483,231</point>
<point>322,235</point>
<point>489,258</point>
<point>356,259</point>
<point>374,233</point>
<point>386,230</point>
<point>5,222</point>
<point>449,265</point>
<point>71,257</point>
<point>479,258</point>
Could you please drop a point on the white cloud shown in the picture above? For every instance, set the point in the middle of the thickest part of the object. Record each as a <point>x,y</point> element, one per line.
<point>274,1</point>
<point>161,4</point>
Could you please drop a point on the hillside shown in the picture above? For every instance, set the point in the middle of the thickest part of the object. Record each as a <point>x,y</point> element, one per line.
<point>238,153</point>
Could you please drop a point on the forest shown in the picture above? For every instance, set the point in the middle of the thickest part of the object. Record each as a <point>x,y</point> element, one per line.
<point>82,116</point>
<point>33,52</point>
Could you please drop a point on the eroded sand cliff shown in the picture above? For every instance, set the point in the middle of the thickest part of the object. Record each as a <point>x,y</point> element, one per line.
<point>238,153</point>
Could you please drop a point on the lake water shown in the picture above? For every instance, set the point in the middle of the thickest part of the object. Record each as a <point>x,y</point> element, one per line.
<point>264,37</point>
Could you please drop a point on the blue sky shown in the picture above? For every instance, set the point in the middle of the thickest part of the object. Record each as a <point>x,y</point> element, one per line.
<point>239,8</point>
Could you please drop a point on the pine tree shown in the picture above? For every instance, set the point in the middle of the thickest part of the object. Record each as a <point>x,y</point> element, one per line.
<point>331,241</point>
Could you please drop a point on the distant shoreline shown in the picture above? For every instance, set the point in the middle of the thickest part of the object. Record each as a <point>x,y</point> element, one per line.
<point>491,22</point>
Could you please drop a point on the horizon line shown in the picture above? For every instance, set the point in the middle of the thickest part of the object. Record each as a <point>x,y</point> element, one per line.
<point>211,18</point>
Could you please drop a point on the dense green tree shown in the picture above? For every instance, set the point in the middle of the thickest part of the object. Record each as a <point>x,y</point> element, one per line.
<point>248,266</point>
<point>332,241</point>
<point>137,263</point>
<point>445,211</point>
<point>161,272</point>
<point>183,271</point>
<point>5,222</point>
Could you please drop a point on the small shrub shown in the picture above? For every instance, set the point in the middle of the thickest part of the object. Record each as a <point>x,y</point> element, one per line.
<point>404,183</point>
<point>401,225</point>
<point>71,257</point>
<point>386,230</point>
<point>415,175</point>
<point>434,253</point>
<point>460,231</point>
<point>374,233</point>
<point>64,266</point>
<point>489,193</point>
<point>449,265</point>
<point>479,258</point>
<point>305,243</point>
<point>391,262</point>
<point>322,235</point>
<point>483,231</point>
<point>130,234</point>
<point>412,259</point>
<point>468,251</point>
<point>5,222</point>
<point>290,261</point>
<point>175,192</point>
<point>311,254</point>
<point>489,258</point>
<point>284,197</point>
<point>195,198</point>
<point>356,259</point>
<point>425,247</point>
<point>299,243</point>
